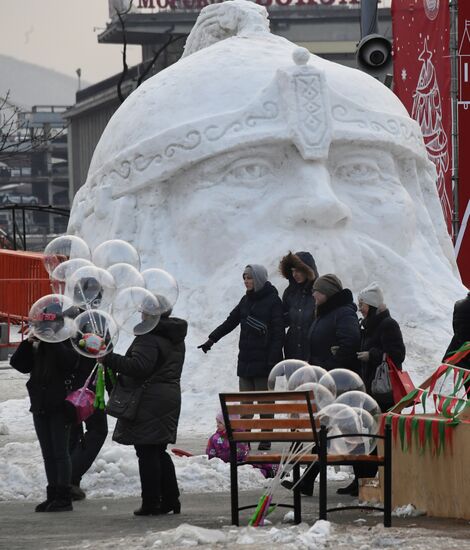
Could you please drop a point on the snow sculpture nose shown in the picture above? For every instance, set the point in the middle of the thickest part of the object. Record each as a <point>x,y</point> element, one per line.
<point>312,201</point>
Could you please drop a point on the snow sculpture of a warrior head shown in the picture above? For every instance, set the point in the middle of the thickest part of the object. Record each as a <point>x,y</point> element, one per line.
<point>250,146</point>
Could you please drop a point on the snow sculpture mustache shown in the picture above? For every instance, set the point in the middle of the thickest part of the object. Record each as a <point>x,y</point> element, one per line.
<point>250,146</point>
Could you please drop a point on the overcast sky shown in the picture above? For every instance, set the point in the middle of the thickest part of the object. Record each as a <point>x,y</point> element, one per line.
<point>61,35</point>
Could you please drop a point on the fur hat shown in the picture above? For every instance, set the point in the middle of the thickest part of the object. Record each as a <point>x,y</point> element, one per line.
<point>372,295</point>
<point>328,285</point>
<point>303,261</point>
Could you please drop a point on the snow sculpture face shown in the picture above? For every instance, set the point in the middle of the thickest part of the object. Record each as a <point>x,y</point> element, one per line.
<point>248,147</point>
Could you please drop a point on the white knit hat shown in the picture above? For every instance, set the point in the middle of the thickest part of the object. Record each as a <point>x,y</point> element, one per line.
<point>372,295</point>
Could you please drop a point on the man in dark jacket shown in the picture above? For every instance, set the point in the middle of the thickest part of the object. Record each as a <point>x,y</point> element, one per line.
<point>260,316</point>
<point>155,359</point>
<point>335,336</point>
<point>461,327</point>
<point>299,305</point>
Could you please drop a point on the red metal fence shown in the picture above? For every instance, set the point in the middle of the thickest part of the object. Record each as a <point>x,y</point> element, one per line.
<point>23,280</point>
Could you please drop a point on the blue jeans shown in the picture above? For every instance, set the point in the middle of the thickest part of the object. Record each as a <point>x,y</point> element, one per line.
<point>53,431</point>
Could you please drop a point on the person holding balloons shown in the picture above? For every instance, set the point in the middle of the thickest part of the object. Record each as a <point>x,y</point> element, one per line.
<point>50,361</point>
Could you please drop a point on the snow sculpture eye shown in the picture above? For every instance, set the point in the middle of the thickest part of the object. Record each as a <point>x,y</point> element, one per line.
<point>358,172</point>
<point>247,171</point>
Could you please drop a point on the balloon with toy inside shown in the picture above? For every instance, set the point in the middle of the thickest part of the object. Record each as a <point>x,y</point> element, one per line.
<point>96,333</point>
<point>51,318</point>
<point>114,252</point>
<point>136,310</point>
<point>61,249</point>
<point>91,287</point>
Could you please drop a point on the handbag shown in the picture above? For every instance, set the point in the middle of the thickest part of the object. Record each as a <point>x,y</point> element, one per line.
<point>382,388</point>
<point>82,400</point>
<point>401,382</point>
<point>124,401</point>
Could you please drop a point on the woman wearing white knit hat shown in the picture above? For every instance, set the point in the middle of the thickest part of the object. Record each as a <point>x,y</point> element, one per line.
<point>379,334</point>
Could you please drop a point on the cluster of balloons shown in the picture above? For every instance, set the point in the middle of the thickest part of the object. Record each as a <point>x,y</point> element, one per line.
<point>339,402</point>
<point>98,294</point>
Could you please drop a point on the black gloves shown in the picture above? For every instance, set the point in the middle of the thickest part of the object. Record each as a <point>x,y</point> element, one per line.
<point>206,346</point>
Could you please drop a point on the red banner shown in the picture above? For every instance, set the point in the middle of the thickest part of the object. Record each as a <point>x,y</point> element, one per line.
<point>462,244</point>
<point>421,67</point>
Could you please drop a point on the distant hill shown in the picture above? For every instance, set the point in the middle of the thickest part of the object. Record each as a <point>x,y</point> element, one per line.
<point>31,84</point>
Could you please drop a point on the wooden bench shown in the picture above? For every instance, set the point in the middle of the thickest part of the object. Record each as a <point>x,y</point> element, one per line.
<point>294,424</point>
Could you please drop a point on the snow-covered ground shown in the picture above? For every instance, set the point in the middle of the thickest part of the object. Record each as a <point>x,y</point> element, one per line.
<point>322,534</point>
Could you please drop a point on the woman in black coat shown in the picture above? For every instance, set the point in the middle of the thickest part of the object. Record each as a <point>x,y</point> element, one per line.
<point>380,335</point>
<point>299,305</point>
<point>156,357</point>
<point>260,316</point>
<point>51,368</point>
<point>335,333</point>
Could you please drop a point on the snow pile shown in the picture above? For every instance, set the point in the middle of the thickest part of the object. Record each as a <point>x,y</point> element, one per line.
<point>407,511</point>
<point>321,535</point>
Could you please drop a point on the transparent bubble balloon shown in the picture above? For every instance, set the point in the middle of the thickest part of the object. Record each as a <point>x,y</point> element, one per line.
<point>308,373</point>
<point>61,249</point>
<point>346,380</point>
<point>369,427</point>
<point>163,285</point>
<point>281,373</point>
<point>125,275</point>
<point>51,318</point>
<point>66,269</point>
<point>96,333</point>
<point>341,420</point>
<point>322,397</point>
<point>136,310</point>
<point>361,400</point>
<point>115,252</point>
<point>91,287</point>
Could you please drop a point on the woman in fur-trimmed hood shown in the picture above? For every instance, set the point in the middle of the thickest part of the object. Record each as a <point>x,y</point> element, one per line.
<point>300,270</point>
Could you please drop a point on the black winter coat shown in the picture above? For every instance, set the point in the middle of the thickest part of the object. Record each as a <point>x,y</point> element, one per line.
<point>461,326</point>
<point>380,334</point>
<point>299,305</point>
<point>258,352</point>
<point>52,368</point>
<point>336,324</point>
<point>160,355</point>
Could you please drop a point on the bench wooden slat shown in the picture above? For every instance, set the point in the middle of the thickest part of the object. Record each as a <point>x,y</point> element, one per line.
<point>270,423</point>
<point>274,436</point>
<point>275,458</point>
<point>266,396</point>
<point>268,408</point>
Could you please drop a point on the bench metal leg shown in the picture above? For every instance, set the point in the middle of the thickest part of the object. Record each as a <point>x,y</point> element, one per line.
<point>234,486</point>
<point>323,477</point>
<point>297,497</point>
<point>388,477</point>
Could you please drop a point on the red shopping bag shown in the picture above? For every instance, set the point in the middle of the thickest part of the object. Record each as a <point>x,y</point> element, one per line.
<point>401,381</point>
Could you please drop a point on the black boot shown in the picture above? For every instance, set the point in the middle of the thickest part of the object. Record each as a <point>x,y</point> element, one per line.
<point>50,496</point>
<point>148,509</point>
<point>62,501</point>
<point>352,489</point>
<point>77,493</point>
<point>174,507</point>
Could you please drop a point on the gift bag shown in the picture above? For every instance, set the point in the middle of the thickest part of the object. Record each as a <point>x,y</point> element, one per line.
<point>82,400</point>
<point>401,381</point>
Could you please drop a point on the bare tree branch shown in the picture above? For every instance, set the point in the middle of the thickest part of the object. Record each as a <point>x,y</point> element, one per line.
<point>157,54</point>
<point>125,67</point>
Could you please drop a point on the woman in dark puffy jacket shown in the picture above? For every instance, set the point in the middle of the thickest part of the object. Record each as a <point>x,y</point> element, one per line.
<point>156,357</point>
<point>260,316</point>
<point>299,304</point>
<point>51,368</point>
<point>380,335</point>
